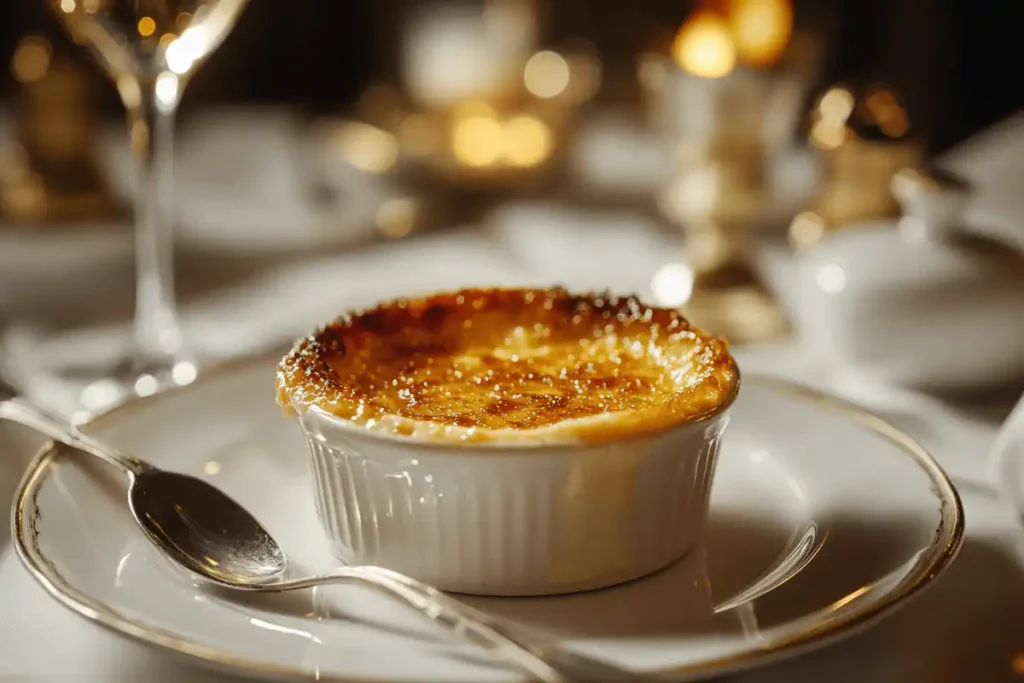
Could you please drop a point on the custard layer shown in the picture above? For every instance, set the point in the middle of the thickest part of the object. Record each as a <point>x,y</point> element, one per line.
<point>511,364</point>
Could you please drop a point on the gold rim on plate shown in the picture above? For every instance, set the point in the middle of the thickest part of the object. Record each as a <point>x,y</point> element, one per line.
<point>819,630</point>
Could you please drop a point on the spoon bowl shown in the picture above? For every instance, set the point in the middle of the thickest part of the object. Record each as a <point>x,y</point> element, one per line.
<point>204,530</point>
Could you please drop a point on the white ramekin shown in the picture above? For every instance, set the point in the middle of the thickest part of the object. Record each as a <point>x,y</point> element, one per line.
<point>512,520</point>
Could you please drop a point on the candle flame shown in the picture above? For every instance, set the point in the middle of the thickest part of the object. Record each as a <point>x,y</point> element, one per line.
<point>704,46</point>
<point>761,30</point>
<point>753,32</point>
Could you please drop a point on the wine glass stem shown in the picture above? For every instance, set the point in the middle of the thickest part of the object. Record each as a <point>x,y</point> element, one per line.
<point>157,336</point>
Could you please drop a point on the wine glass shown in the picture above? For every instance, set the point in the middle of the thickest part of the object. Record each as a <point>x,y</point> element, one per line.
<point>150,49</point>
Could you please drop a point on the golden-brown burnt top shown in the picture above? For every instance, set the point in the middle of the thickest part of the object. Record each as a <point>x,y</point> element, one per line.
<point>496,364</point>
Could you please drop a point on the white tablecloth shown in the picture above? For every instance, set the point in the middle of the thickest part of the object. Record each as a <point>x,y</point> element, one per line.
<point>967,628</point>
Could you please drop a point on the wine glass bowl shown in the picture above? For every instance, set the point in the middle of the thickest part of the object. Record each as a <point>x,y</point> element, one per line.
<point>143,39</point>
<point>149,49</point>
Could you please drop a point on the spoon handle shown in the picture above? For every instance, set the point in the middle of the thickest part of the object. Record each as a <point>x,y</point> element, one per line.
<point>529,651</point>
<point>15,408</point>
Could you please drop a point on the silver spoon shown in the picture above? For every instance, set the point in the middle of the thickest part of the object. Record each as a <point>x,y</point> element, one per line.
<point>203,530</point>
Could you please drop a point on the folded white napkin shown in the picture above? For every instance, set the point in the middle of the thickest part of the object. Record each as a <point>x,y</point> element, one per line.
<point>1006,458</point>
<point>994,162</point>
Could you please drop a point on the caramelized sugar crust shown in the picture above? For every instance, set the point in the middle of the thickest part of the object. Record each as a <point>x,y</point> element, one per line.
<point>498,364</point>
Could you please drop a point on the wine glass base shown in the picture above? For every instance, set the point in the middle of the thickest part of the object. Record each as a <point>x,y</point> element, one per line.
<point>131,380</point>
<point>80,381</point>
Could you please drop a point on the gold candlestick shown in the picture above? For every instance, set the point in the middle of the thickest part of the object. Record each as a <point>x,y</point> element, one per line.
<point>865,138</point>
<point>714,111</point>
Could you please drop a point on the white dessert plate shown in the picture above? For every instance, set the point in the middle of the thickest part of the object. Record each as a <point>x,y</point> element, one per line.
<point>824,518</point>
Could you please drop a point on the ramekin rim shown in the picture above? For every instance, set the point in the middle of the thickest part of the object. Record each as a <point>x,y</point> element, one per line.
<point>499,447</point>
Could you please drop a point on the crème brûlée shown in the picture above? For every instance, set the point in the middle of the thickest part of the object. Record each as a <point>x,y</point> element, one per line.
<point>511,365</point>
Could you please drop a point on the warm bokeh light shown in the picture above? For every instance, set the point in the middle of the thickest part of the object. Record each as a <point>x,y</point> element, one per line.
<point>184,372</point>
<point>836,116</point>
<point>477,139</point>
<point>146,385</point>
<point>67,6</point>
<point>836,105</point>
<point>761,30</point>
<point>806,229</point>
<point>672,284</point>
<point>146,26</point>
<point>829,130</point>
<point>366,147</point>
<point>470,108</point>
<point>184,51</point>
<point>166,90</point>
<point>831,278</point>
<point>827,136</point>
<point>546,74</point>
<point>31,59</point>
<point>886,112</point>
<point>527,141</point>
<point>178,58</point>
<point>397,217</point>
<point>704,46</point>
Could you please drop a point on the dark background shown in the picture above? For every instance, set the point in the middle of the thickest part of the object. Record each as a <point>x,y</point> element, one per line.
<point>957,62</point>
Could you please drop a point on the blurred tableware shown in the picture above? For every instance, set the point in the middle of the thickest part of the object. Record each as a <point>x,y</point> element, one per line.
<point>462,67</point>
<point>458,51</point>
<point>262,182</point>
<point>150,50</point>
<point>864,136</point>
<point>476,104</point>
<point>733,82</point>
<point>993,160</point>
<point>711,98</point>
<point>616,161</point>
<point>249,186</point>
<point>805,481</point>
<point>924,302</point>
<point>49,173</point>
